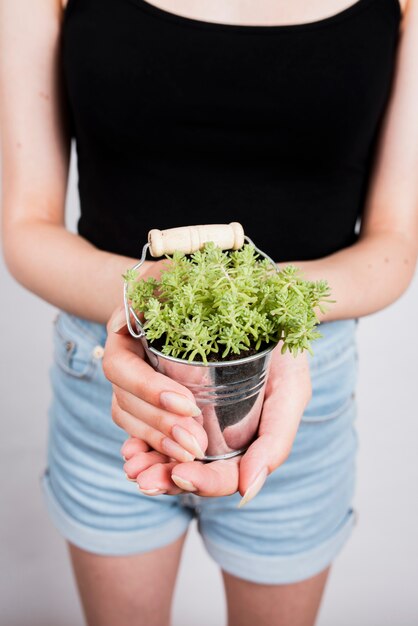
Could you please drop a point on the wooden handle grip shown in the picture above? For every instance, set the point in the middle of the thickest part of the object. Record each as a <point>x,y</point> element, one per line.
<point>188,239</point>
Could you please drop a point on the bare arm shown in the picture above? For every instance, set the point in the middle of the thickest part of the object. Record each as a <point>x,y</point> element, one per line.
<point>377,269</point>
<point>40,253</point>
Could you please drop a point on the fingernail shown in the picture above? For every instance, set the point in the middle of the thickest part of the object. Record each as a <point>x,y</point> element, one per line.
<point>186,440</point>
<point>124,458</point>
<point>186,485</point>
<point>172,449</point>
<point>151,492</point>
<point>119,322</point>
<point>254,488</point>
<point>133,480</point>
<point>179,404</point>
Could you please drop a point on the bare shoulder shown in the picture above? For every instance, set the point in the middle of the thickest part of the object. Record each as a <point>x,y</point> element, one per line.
<point>406,8</point>
<point>404,5</point>
<point>34,124</point>
<point>393,193</point>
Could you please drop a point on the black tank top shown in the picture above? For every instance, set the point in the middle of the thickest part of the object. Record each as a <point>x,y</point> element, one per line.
<point>179,121</point>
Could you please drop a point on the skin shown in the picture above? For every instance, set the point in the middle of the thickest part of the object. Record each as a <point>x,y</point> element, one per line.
<point>365,278</point>
<point>274,605</point>
<point>113,589</point>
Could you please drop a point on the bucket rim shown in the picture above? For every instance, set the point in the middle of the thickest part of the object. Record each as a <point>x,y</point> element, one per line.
<point>247,359</point>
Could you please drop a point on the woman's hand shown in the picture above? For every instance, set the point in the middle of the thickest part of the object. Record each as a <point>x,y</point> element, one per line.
<point>147,404</point>
<point>288,391</point>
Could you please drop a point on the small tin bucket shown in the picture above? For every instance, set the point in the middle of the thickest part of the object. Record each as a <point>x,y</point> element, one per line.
<point>229,394</point>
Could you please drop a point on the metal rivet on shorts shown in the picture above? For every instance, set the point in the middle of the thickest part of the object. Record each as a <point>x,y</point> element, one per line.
<point>98,352</point>
<point>69,346</point>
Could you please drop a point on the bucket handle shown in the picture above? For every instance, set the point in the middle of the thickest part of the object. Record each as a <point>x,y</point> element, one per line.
<point>186,239</point>
<point>189,239</point>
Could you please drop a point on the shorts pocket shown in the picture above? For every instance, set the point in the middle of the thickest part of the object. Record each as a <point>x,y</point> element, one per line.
<point>76,351</point>
<point>333,386</point>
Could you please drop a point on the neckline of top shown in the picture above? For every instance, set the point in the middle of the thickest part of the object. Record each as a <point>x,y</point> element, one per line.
<point>349,11</point>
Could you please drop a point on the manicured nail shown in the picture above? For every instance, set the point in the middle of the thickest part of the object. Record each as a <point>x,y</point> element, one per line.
<point>179,404</point>
<point>172,449</point>
<point>186,485</point>
<point>186,440</point>
<point>119,322</point>
<point>254,488</point>
<point>151,492</point>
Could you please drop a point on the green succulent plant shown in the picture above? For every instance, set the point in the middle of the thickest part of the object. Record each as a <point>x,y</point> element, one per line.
<point>226,303</point>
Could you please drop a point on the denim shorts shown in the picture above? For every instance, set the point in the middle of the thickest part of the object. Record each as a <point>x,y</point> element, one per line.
<point>292,530</point>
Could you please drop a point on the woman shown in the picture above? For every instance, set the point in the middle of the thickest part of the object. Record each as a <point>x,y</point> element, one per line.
<point>295,118</point>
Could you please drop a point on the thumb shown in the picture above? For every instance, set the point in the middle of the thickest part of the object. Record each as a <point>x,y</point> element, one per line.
<point>117,322</point>
<point>287,394</point>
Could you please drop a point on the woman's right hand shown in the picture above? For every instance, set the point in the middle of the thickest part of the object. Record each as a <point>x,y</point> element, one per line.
<point>147,404</point>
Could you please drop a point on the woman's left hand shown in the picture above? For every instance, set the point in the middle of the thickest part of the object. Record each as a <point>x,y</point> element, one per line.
<point>288,390</point>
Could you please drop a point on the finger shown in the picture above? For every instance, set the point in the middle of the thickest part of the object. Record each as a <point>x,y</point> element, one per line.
<point>142,461</point>
<point>124,365</point>
<point>133,446</point>
<point>154,438</point>
<point>186,431</point>
<point>287,393</point>
<point>219,478</point>
<point>117,322</point>
<point>156,480</point>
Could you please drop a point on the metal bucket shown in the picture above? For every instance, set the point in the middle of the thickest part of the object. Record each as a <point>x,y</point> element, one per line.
<point>230,394</point>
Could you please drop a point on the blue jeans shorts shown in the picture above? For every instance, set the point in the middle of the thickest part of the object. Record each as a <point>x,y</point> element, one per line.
<point>292,530</point>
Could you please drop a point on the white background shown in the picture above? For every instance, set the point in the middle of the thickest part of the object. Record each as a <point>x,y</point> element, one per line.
<point>374,581</point>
